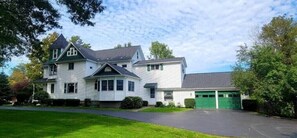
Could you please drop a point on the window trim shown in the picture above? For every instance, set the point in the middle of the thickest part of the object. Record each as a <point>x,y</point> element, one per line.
<point>55,53</point>
<point>52,88</point>
<point>166,96</point>
<point>108,85</point>
<point>131,86</point>
<point>53,69</point>
<point>71,63</point>
<point>72,52</point>
<point>152,93</point>
<point>66,87</point>
<point>122,85</point>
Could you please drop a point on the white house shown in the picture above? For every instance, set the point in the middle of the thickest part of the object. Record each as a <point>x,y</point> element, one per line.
<point>108,76</point>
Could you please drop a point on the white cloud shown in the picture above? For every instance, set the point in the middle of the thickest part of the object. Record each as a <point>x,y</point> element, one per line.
<point>207,33</point>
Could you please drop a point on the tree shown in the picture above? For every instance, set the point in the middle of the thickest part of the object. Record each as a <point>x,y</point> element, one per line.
<point>268,70</point>
<point>160,51</point>
<point>129,44</point>
<point>4,86</point>
<point>77,40</point>
<point>20,83</point>
<point>35,67</point>
<point>22,21</point>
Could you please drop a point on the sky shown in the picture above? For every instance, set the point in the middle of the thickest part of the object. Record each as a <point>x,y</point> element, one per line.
<point>206,32</point>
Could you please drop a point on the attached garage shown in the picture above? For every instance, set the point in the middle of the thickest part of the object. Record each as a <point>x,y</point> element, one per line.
<point>229,100</point>
<point>213,90</point>
<point>205,100</point>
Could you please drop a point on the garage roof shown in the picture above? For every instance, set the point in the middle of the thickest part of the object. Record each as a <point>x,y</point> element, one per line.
<point>207,80</point>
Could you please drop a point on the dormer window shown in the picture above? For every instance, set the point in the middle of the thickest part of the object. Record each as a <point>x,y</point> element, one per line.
<point>55,53</point>
<point>71,52</point>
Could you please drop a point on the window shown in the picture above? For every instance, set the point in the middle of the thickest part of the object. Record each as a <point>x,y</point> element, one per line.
<point>107,85</point>
<point>71,52</point>
<point>221,95</point>
<point>55,53</point>
<point>124,65</point>
<point>71,66</point>
<point>107,69</point>
<point>152,93</point>
<point>91,67</point>
<point>137,55</point>
<point>52,88</point>
<point>168,96</point>
<point>120,85</point>
<point>53,70</point>
<point>155,67</point>
<point>130,86</point>
<point>110,85</point>
<point>70,88</point>
<point>104,85</point>
<point>212,95</point>
<point>96,85</point>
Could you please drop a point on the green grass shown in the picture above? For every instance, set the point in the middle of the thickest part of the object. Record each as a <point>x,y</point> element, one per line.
<point>165,109</point>
<point>53,124</point>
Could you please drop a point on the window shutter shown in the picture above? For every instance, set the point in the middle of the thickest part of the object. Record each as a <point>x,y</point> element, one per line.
<point>148,68</point>
<point>161,66</point>
<point>65,87</point>
<point>75,87</point>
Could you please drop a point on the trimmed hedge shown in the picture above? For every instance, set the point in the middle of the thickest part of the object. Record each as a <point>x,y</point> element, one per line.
<point>189,103</point>
<point>131,102</point>
<point>48,102</point>
<point>72,102</point>
<point>159,104</point>
<point>87,102</point>
<point>144,103</point>
<point>249,105</point>
<point>2,102</point>
<point>58,102</point>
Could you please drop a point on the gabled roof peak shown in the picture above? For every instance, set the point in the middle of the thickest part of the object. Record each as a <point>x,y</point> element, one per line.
<point>60,42</point>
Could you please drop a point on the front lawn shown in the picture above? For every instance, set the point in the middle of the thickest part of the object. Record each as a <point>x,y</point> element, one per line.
<point>165,109</point>
<point>54,124</point>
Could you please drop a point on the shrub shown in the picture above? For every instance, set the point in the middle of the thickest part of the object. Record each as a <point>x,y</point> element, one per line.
<point>159,104</point>
<point>58,102</point>
<point>137,102</point>
<point>41,96</point>
<point>127,103</point>
<point>144,103</point>
<point>23,97</point>
<point>2,101</point>
<point>249,105</point>
<point>87,102</point>
<point>171,104</point>
<point>48,102</point>
<point>288,110</point>
<point>189,103</point>
<point>131,102</point>
<point>72,102</point>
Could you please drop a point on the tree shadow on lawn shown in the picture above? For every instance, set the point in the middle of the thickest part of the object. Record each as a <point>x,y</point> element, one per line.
<point>53,124</point>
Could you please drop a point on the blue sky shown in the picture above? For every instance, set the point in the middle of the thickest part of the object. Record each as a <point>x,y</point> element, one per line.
<point>206,32</point>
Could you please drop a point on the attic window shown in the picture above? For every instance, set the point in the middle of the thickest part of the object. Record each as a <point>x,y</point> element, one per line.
<point>107,69</point>
<point>71,52</point>
<point>55,53</point>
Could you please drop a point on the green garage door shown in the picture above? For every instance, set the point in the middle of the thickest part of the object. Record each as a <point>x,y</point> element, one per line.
<point>229,100</point>
<point>205,100</point>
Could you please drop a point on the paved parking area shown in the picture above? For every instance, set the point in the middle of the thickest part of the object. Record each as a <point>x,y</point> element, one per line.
<point>220,122</point>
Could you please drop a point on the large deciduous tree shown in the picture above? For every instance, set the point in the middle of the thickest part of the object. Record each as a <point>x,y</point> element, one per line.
<point>35,67</point>
<point>268,69</point>
<point>4,86</point>
<point>160,51</point>
<point>78,41</point>
<point>22,21</point>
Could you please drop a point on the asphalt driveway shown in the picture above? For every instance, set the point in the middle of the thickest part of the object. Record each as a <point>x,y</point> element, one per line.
<point>220,122</point>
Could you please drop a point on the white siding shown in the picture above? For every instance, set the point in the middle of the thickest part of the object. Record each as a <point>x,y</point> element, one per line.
<point>70,76</point>
<point>91,67</point>
<point>45,72</point>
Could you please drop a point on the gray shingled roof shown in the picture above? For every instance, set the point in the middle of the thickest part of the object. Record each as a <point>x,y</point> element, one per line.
<point>144,62</point>
<point>122,70</point>
<point>115,54</point>
<point>207,80</point>
<point>60,42</point>
<point>87,52</point>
